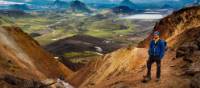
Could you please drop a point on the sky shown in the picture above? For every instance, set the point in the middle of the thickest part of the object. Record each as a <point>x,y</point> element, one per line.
<point>103,1</point>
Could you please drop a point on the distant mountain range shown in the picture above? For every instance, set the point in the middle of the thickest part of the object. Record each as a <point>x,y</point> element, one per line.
<point>19,7</point>
<point>128,3</point>
<point>102,5</point>
<point>79,6</point>
<point>13,13</point>
<point>122,10</point>
<point>60,4</point>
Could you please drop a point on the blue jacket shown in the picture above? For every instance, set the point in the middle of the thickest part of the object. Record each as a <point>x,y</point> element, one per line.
<point>157,49</point>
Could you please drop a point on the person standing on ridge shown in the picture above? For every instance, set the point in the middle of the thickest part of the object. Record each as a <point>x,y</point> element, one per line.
<point>156,52</point>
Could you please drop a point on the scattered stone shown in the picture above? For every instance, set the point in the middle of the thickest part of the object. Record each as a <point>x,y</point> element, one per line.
<point>48,81</point>
<point>100,54</point>
<point>196,53</point>
<point>190,45</point>
<point>57,58</point>
<point>186,50</point>
<point>9,61</point>
<point>195,82</point>
<point>98,49</point>
<point>62,84</point>
<point>172,65</point>
<point>173,58</point>
<point>91,83</point>
<point>193,69</point>
<point>180,53</point>
<point>188,59</point>
<point>22,83</point>
<point>198,40</point>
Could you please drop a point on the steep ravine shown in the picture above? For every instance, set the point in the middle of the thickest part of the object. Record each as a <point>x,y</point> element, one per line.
<point>24,61</point>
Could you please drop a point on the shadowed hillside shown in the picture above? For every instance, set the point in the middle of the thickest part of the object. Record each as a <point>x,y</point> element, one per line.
<point>81,48</point>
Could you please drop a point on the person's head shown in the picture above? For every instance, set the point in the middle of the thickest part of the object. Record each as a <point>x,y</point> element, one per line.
<point>156,35</point>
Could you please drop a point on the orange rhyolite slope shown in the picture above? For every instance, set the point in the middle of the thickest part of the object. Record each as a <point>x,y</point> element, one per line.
<point>21,56</point>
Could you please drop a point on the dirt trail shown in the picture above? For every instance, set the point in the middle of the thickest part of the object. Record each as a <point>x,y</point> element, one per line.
<point>170,77</point>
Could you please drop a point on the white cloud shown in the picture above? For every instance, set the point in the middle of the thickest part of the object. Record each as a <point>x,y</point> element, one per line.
<point>9,3</point>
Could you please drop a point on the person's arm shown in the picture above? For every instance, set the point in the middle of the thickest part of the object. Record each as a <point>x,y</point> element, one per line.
<point>162,49</point>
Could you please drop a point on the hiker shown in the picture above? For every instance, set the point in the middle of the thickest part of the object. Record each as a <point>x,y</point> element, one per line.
<point>156,52</point>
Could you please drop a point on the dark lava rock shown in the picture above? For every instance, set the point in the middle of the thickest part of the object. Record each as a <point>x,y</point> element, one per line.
<point>22,83</point>
<point>35,35</point>
<point>186,49</point>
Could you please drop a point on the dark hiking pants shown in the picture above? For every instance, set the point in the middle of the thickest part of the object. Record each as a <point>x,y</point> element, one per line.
<point>150,61</point>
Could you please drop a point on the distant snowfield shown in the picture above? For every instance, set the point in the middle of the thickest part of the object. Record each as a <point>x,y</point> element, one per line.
<point>9,3</point>
<point>144,16</point>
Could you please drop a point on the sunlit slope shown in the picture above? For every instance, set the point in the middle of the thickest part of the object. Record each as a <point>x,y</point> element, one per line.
<point>21,56</point>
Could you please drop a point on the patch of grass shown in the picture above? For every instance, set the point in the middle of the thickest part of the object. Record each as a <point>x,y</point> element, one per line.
<point>110,28</point>
<point>53,36</point>
<point>76,61</point>
<point>80,54</point>
<point>80,57</point>
<point>31,24</point>
<point>99,33</point>
<point>5,21</point>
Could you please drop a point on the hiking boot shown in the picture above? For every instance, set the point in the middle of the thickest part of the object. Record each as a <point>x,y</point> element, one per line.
<point>158,79</point>
<point>146,79</point>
